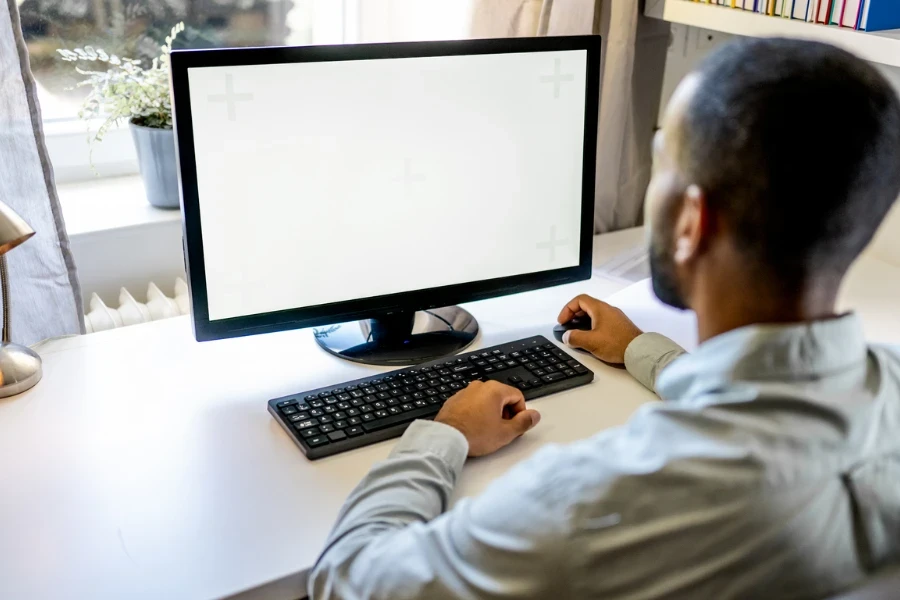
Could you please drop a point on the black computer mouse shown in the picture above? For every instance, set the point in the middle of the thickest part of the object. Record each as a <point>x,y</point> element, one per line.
<point>582,323</point>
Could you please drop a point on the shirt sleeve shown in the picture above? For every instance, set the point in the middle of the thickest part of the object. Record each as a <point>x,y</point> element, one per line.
<point>648,354</point>
<point>392,540</point>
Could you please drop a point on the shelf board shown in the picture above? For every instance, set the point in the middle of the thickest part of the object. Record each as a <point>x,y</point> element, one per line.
<point>881,47</point>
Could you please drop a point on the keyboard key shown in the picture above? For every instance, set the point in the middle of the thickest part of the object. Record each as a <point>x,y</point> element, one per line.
<point>572,363</point>
<point>354,431</point>
<point>524,385</point>
<point>489,369</point>
<point>515,379</point>
<point>366,408</point>
<point>395,393</point>
<point>339,415</point>
<point>553,377</point>
<point>380,414</point>
<point>357,394</point>
<point>327,428</point>
<point>397,419</point>
<point>343,405</point>
<point>310,398</point>
<point>419,395</point>
<point>534,382</point>
<point>375,382</point>
<point>352,412</point>
<point>351,388</point>
<point>404,399</point>
<point>317,403</point>
<point>336,436</point>
<point>288,410</point>
<point>389,378</point>
<point>580,369</point>
<point>553,360</point>
<point>316,412</point>
<point>461,368</point>
<point>323,395</point>
<point>569,373</point>
<point>446,396</point>
<point>379,404</point>
<point>370,399</point>
<point>394,410</point>
<point>340,424</point>
<point>357,402</point>
<point>338,390</point>
<point>443,388</point>
<point>539,372</point>
<point>511,363</point>
<point>330,410</point>
<point>392,402</point>
<point>430,392</point>
<point>421,386</point>
<point>311,432</point>
<point>383,387</point>
<point>368,417</point>
<point>326,419</point>
<point>319,440</point>
<point>551,369</point>
<point>354,420</point>
<point>344,396</point>
<point>455,386</point>
<point>407,407</point>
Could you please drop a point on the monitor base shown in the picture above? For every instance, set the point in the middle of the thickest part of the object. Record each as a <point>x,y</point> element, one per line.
<point>405,338</point>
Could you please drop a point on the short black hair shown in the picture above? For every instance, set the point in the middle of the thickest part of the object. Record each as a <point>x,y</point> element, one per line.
<point>797,146</point>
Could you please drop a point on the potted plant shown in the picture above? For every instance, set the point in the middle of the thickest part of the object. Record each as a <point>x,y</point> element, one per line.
<point>126,90</point>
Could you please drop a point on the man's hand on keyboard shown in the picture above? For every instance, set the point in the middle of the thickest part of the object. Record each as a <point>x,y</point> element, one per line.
<point>490,415</point>
<point>611,331</point>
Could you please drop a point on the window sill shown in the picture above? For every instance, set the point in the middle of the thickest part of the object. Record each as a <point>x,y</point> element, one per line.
<point>109,204</point>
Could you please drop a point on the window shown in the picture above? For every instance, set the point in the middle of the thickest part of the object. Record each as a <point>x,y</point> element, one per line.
<point>135,28</point>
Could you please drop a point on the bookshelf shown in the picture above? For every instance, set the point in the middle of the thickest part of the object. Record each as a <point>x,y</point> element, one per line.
<point>881,47</point>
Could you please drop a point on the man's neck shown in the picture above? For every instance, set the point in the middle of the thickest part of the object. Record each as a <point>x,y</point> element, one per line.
<point>739,303</point>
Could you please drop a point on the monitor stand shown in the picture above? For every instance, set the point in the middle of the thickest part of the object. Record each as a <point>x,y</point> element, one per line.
<point>405,338</point>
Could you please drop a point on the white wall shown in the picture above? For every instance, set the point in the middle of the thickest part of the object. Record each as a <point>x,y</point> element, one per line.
<point>690,44</point>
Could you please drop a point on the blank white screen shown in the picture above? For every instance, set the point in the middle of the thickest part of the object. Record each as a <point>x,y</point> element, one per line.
<point>330,181</point>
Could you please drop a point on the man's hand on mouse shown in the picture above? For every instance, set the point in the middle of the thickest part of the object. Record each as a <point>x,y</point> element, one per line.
<point>611,331</point>
<point>489,414</point>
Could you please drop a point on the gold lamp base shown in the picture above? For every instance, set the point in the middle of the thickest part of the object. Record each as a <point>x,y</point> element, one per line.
<point>20,369</point>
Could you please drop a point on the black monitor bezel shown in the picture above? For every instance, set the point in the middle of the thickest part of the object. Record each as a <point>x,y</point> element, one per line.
<point>205,329</point>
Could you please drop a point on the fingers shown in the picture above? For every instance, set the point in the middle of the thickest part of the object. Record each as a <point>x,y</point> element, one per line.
<point>579,304</point>
<point>575,338</point>
<point>523,421</point>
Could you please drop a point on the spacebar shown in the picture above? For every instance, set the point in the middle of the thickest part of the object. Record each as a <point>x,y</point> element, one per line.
<point>418,413</point>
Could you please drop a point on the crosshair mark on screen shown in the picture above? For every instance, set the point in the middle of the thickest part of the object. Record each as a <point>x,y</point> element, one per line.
<point>230,97</point>
<point>552,244</point>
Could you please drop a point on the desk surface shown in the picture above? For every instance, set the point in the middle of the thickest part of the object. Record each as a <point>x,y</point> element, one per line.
<point>145,465</point>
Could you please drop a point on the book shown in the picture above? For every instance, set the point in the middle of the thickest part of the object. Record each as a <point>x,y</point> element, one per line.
<point>879,15</point>
<point>822,11</point>
<point>835,13</point>
<point>800,9</point>
<point>850,13</point>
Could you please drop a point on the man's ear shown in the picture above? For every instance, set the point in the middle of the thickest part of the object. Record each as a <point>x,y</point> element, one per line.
<point>691,225</point>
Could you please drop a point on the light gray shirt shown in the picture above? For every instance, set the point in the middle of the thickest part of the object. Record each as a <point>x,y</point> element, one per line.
<point>771,469</point>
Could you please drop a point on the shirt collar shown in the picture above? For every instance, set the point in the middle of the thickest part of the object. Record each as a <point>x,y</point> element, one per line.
<point>808,351</point>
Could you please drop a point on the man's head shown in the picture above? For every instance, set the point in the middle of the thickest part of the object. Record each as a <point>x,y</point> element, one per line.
<point>780,155</point>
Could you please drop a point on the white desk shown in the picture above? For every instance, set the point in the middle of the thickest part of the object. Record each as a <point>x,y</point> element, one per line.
<point>145,464</point>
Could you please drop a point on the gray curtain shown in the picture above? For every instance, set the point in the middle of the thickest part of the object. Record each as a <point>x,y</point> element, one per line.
<point>45,295</point>
<point>634,59</point>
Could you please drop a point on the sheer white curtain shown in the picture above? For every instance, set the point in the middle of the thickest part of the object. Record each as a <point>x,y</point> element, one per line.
<point>634,55</point>
<point>45,296</point>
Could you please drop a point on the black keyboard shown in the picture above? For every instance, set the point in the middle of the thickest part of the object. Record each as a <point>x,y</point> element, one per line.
<point>348,415</point>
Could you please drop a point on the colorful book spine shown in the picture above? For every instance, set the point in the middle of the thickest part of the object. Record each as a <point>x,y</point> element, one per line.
<point>879,15</point>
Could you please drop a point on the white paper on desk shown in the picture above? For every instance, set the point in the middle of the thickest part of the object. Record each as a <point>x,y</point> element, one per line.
<point>642,306</point>
<point>629,265</point>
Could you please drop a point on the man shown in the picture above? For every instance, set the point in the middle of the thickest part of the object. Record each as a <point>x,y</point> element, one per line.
<point>772,467</point>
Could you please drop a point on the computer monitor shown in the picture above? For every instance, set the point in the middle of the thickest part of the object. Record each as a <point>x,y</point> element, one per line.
<point>324,185</point>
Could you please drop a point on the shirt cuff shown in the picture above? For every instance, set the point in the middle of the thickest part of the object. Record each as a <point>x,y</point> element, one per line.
<point>443,441</point>
<point>648,354</point>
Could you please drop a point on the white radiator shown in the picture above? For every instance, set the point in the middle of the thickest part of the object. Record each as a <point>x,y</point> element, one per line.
<point>101,317</point>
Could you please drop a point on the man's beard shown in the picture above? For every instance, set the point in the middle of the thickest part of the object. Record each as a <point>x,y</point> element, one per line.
<point>662,275</point>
